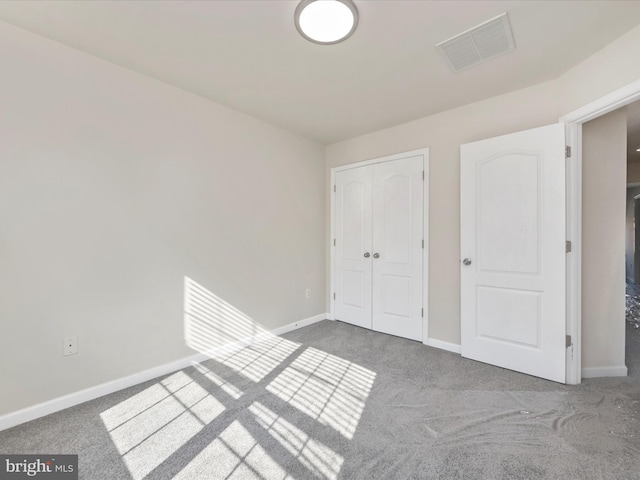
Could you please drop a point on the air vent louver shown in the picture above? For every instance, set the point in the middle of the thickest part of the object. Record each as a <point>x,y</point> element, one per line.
<point>479,44</point>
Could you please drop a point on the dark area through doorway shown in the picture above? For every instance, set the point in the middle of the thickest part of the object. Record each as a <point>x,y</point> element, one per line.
<point>632,355</point>
<point>632,241</point>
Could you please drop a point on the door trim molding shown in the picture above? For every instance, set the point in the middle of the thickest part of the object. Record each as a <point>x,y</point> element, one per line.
<point>605,104</point>
<point>574,121</point>
<point>425,224</point>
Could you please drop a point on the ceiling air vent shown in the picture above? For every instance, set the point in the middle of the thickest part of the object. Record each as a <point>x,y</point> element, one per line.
<point>479,44</point>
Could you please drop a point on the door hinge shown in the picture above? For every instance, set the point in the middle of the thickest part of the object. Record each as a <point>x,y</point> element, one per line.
<point>334,188</point>
<point>422,313</point>
<point>568,341</point>
<point>334,242</point>
<point>567,246</point>
<point>567,151</point>
<point>422,174</point>
<point>334,295</point>
<point>423,243</point>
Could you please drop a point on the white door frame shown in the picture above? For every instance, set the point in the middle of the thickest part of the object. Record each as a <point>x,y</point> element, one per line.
<point>574,121</point>
<point>425,222</point>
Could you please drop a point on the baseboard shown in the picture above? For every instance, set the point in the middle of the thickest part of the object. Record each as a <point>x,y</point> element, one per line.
<point>594,372</point>
<point>46,408</point>
<point>591,372</point>
<point>302,323</point>
<point>449,347</point>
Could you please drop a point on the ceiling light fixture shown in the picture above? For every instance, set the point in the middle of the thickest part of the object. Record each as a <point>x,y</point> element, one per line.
<point>326,21</point>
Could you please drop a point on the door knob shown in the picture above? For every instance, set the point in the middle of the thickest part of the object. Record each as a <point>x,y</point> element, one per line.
<point>376,255</point>
<point>367,255</point>
<point>467,261</point>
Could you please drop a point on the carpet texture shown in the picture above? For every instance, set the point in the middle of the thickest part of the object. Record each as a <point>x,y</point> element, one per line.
<point>335,401</point>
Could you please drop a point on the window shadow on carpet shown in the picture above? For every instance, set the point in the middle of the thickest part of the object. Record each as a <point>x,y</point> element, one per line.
<point>262,407</point>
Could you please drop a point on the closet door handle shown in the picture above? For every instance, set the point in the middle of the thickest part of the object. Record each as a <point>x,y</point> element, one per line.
<point>367,255</point>
<point>376,255</point>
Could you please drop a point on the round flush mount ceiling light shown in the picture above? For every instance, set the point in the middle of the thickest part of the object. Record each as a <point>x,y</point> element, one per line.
<point>326,21</point>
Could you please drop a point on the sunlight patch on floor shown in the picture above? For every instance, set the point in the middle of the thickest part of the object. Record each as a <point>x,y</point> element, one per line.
<point>163,421</point>
<point>327,388</point>
<point>150,426</point>
<point>235,454</point>
<point>224,385</point>
<point>258,360</point>
<point>314,455</point>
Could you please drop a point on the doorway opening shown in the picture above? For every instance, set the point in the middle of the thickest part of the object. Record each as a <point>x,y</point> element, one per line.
<point>632,242</point>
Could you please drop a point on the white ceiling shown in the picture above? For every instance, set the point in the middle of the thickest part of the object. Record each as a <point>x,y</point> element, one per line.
<point>249,56</point>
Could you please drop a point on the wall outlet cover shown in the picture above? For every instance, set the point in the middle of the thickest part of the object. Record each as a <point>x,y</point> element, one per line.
<point>70,346</point>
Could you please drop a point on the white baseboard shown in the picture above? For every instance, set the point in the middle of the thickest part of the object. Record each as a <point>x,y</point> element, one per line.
<point>590,372</point>
<point>40,410</point>
<point>594,372</point>
<point>296,325</point>
<point>449,347</point>
<point>330,316</point>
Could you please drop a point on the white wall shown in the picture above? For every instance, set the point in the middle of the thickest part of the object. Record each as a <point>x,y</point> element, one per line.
<point>604,180</point>
<point>609,69</point>
<point>115,187</point>
<point>613,67</point>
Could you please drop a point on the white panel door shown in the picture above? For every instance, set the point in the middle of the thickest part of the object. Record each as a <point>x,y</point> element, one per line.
<point>353,246</point>
<point>513,251</point>
<point>397,247</point>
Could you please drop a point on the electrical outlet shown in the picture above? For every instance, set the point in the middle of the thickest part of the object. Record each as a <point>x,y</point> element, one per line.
<point>307,293</point>
<point>69,346</point>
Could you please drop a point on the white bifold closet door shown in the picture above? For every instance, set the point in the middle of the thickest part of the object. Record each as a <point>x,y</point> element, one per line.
<point>379,246</point>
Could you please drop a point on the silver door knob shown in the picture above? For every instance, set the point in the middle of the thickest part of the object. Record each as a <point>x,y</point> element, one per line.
<point>376,255</point>
<point>467,261</point>
<point>367,255</point>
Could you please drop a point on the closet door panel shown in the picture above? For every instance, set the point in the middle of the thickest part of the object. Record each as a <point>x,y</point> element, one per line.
<point>397,221</point>
<point>353,240</point>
